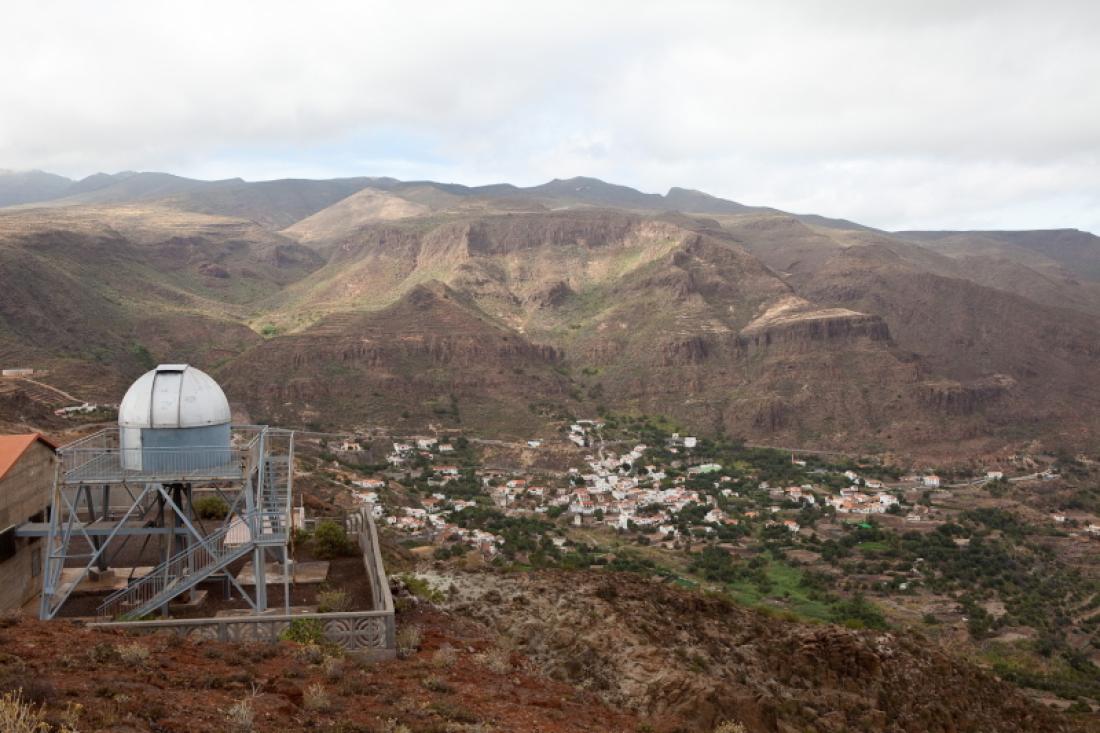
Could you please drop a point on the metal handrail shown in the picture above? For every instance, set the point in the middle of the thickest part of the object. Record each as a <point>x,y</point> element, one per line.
<point>100,457</point>
<point>192,564</point>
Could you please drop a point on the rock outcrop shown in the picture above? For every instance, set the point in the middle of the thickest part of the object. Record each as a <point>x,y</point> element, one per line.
<point>673,655</point>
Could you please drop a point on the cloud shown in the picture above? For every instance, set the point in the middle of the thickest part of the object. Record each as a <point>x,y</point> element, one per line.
<point>898,114</point>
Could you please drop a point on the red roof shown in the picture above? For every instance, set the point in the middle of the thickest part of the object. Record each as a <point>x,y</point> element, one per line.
<point>12,448</point>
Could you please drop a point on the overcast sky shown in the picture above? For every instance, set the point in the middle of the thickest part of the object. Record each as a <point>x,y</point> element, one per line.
<point>898,114</point>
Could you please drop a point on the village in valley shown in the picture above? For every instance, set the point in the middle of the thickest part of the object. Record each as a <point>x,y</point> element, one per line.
<point>669,493</point>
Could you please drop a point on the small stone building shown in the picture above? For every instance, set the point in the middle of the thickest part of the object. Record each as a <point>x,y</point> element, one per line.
<point>26,478</point>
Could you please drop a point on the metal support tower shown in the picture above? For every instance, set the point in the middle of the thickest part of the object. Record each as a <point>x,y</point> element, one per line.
<point>139,506</point>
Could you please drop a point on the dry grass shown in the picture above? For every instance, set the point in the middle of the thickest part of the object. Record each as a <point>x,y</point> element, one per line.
<point>392,726</point>
<point>316,698</point>
<point>134,654</point>
<point>497,658</point>
<point>19,716</point>
<point>333,667</point>
<point>445,657</point>
<point>310,653</point>
<point>408,641</point>
<point>436,684</point>
<point>730,726</point>
<point>334,600</point>
<point>241,716</point>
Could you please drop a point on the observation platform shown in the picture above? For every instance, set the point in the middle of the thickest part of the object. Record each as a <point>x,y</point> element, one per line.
<point>101,528</point>
<point>99,459</point>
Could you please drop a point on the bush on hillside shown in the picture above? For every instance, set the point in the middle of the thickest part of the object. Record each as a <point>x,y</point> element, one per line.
<point>210,507</point>
<point>330,541</point>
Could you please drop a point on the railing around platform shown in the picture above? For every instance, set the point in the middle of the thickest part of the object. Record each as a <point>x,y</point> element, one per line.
<point>371,634</point>
<point>100,458</point>
<point>368,633</point>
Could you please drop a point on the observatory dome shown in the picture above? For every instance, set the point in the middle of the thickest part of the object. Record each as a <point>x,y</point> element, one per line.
<point>173,396</point>
<point>175,419</point>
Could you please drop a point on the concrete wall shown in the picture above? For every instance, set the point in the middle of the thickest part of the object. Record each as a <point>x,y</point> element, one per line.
<point>24,492</point>
<point>25,488</point>
<point>20,574</point>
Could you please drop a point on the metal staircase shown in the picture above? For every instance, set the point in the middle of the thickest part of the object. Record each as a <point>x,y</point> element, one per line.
<point>268,485</point>
<point>177,575</point>
<point>274,502</point>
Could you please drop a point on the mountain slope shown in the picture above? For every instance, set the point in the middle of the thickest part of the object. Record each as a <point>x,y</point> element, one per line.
<point>1066,250</point>
<point>94,295</point>
<point>431,356</point>
<point>650,313</point>
<point>23,187</point>
<point>572,296</point>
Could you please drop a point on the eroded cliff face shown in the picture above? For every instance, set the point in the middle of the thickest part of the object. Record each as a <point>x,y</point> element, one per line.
<point>428,357</point>
<point>955,398</point>
<point>815,330</point>
<point>674,655</point>
<point>662,315</point>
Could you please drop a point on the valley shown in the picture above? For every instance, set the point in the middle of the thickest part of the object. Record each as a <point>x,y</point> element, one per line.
<point>564,405</point>
<point>497,306</point>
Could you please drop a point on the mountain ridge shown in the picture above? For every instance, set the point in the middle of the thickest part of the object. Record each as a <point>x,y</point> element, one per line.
<point>574,296</point>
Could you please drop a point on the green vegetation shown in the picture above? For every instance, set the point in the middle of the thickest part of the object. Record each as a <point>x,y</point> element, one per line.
<point>858,613</point>
<point>420,588</point>
<point>1069,676</point>
<point>141,354</point>
<point>304,631</point>
<point>210,507</point>
<point>333,600</point>
<point>772,583</point>
<point>329,540</point>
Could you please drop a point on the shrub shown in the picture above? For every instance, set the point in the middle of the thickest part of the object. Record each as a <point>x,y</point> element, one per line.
<point>421,588</point>
<point>316,697</point>
<point>311,653</point>
<point>134,654</point>
<point>498,659</point>
<point>408,641</point>
<point>240,715</point>
<point>436,684</point>
<point>102,653</point>
<point>210,507</point>
<point>858,613</point>
<point>333,600</point>
<point>331,541</point>
<point>19,716</point>
<point>304,631</point>
<point>392,726</point>
<point>731,727</point>
<point>445,657</point>
<point>333,667</point>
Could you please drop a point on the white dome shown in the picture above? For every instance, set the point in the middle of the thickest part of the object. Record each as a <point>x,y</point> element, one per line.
<point>173,396</point>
